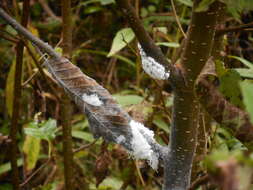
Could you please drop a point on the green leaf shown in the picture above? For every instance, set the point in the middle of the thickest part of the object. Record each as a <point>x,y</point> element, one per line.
<point>244,61</point>
<point>247,73</point>
<point>168,44</point>
<point>7,166</point>
<point>92,9</point>
<point>10,88</point>
<point>203,5</point>
<point>158,121</point>
<point>247,92</point>
<point>121,39</point>
<point>82,135</point>
<point>229,86</point>
<point>126,100</point>
<point>106,2</point>
<point>31,149</point>
<point>186,2</point>
<point>47,131</point>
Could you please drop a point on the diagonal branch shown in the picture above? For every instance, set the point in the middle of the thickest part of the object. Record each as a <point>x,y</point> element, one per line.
<point>105,116</point>
<point>143,37</point>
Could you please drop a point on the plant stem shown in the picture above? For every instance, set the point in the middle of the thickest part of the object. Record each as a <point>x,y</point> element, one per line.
<point>66,107</point>
<point>17,100</point>
<point>196,52</point>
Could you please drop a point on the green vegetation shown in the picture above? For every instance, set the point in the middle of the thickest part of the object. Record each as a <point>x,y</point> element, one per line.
<point>203,112</point>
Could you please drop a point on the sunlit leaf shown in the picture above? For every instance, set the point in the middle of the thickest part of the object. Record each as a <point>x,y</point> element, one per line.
<point>247,92</point>
<point>186,2</point>
<point>247,73</point>
<point>203,5</point>
<point>121,39</point>
<point>82,135</point>
<point>106,2</point>
<point>168,44</point>
<point>46,131</point>
<point>126,100</point>
<point>31,149</point>
<point>7,166</point>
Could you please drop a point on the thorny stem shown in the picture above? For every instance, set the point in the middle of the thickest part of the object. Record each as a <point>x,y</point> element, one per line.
<point>17,100</point>
<point>66,107</point>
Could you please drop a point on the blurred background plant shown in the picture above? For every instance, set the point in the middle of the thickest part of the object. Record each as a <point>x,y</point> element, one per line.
<point>105,49</point>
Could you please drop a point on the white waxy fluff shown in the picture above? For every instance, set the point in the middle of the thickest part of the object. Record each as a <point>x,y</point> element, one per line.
<point>120,139</point>
<point>92,99</point>
<point>152,67</point>
<point>140,146</point>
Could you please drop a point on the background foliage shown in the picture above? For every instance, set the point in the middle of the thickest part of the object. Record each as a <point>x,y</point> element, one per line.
<point>105,49</point>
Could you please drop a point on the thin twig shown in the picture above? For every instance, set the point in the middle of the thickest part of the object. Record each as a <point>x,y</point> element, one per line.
<point>177,19</point>
<point>30,78</point>
<point>201,180</point>
<point>84,146</point>
<point>34,173</point>
<point>139,173</point>
<point>48,10</point>
<point>235,29</point>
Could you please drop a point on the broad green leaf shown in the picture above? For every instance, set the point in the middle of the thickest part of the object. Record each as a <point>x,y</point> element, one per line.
<point>247,92</point>
<point>186,2</point>
<point>244,61</point>
<point>46,131</point>
<point>161,29</point>
<point>92,9</point>
<point>168,44</point>
<point>161,124</point>
<point>247,73</point>
<point>31,149</point>
<point>7,166</point>
<point>203,5</point>
<point>111,183</point>
<point>9,91</point>
<point>82,135</point>
<point>106,2</point>
<point>126,100</point>
<point>121,39</point>
<point>229,86</point>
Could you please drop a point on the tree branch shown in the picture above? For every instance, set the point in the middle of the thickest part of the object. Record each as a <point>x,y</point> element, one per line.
<point>17,101</point>
<point>66,107</point>
<point>196,51</point>
<point>143,37</point>
<point>223,31</point>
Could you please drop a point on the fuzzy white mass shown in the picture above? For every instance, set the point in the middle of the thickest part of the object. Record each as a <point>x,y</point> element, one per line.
<point>152,67</point>
<point>92,99</point>
<point>140,146</point>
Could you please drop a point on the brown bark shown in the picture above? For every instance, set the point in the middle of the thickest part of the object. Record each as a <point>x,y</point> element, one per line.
<point>17,100</point>
<point>66,107</point>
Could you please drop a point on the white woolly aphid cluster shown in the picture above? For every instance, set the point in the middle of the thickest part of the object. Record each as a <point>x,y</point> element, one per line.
<point>92,99</point>
<point>152,67</point>
<point>140,146</point>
